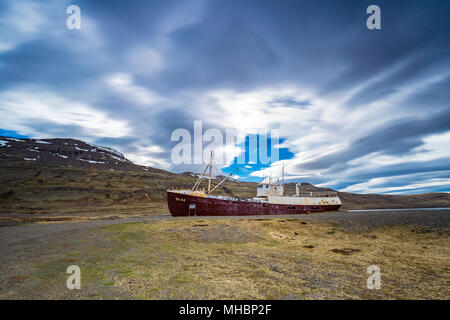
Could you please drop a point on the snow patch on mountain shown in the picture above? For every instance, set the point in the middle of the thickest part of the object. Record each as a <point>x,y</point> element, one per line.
<point>91,161</point>
<point>14,139</point>
<point>42,142</point>
<point>109,150</point>
<point>118,158</point>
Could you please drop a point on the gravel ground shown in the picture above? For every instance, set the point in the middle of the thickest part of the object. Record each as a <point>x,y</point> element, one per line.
<point>350,221</point>
<point>366,220</point>
<point>24,246</point>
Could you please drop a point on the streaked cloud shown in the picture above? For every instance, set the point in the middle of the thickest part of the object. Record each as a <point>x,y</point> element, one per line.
<point>24,110</point>
<point>357,110</point>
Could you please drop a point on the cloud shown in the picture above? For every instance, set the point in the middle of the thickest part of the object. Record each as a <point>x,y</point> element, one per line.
<point>123,83</point>
<point>23,111</point>
<point>380,185</point>
<point>352,105</point>
<point>23,20</point>
<point>290,102</point>
<point>143,60</point>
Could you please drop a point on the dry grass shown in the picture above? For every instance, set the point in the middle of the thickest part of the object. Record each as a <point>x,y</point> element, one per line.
<point>253,259</point>
<point>32,192</point>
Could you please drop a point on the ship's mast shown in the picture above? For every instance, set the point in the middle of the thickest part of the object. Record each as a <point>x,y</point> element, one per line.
<point>210,169</point>
<point>222,181</point>
<point>199,180</point>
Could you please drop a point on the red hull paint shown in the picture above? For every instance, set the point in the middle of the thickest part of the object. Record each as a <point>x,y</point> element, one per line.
<point>179,205</point>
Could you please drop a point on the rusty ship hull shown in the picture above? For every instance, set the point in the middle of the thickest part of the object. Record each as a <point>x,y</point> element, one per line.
<point>181,204</point>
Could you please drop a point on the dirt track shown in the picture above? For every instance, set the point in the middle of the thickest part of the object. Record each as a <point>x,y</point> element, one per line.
<point>24,246</point>
<point>350,221</point>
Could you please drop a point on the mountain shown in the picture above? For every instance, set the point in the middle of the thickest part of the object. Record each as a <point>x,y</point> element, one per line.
<point>385,201</point>
<point>67,152</point>
<point>54,179</point>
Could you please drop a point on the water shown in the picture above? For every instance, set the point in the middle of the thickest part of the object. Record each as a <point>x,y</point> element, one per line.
<point>408,209</point>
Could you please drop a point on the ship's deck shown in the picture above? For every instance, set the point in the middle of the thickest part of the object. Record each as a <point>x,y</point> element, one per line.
<point>210,196</point>
<point>303,199</point>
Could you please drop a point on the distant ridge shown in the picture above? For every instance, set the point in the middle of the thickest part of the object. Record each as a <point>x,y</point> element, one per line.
<point>69,152</point>
<point>61,174</point>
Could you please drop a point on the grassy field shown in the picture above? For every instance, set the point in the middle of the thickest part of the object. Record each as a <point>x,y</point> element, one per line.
<point>35,193</point>
<point>58,186</point>
<point>31,192</point>
<point>278,258</point>
<point>238,259</point>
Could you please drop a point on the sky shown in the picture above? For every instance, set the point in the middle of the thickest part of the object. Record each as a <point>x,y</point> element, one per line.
<point>357,110</point>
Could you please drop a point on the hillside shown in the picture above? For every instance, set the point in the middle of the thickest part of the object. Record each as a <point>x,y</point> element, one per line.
<point>66,152</point>
<point>353,201</point>
<point>66,178</point>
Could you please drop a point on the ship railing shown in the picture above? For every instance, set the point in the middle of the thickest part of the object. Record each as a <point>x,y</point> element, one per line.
<point>317,194</point>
